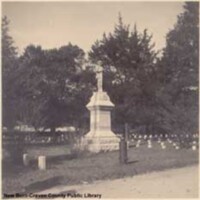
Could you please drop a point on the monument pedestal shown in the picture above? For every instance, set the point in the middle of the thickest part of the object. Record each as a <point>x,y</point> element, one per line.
<point>100,137</point>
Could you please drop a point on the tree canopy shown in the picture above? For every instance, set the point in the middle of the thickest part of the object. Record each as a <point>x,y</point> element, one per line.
<point>179,72</point>
<point>9,66</point>
<point>129,64</point>
<point>50,88</point>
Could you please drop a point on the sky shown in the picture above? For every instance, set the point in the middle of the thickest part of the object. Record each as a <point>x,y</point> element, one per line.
<point>54,24</point>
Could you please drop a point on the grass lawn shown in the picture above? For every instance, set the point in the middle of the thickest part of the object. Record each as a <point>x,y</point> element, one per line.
<point>64,169</point>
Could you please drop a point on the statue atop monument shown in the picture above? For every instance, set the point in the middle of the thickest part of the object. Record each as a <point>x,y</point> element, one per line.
<point>99,74</point>
<point>99,77</point>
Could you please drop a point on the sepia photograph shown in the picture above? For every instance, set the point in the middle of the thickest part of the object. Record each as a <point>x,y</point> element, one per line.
<point>100,99</point>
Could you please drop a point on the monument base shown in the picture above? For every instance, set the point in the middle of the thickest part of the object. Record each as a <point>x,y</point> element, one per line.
<point>100,142</point>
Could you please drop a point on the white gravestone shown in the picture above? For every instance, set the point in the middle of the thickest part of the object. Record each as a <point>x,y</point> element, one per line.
<point>194,147</point>
<point>177,147</point>
<point>26,159</point>
<point>100,136</point>
<point>149,143</point>
<point>42,162</point>
<point>163,145</point>
<point>138,143</point>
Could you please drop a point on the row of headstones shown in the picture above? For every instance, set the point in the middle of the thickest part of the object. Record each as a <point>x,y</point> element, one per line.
<point>41,161</point>
<point>135,136</point>
<point>46,140</point>
<point>163,145</point>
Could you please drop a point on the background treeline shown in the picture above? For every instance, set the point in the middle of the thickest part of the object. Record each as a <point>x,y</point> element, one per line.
<point>153,94</point>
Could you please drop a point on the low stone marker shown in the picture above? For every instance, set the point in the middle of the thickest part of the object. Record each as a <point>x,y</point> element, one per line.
<point>177,147</point>
<point>163,145</point>
<point>174,144</point>
<point>194,147</point>
<point>26,159</point>
<point>169,141</point>
<point>138,143</point>
<point>149,145</point>
<point>42,162</point>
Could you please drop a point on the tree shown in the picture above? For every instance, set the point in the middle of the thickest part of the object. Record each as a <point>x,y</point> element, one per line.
<point>9,66</point>
<point>130,74</point>
<point>179,72</point>
<point>64,65</point>
<point>50,86</point>
<point>30,76</point>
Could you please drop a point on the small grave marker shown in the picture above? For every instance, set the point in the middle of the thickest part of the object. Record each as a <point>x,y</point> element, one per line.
<point>138,143</point>
<point>25,159</point>
<point>42,162</point>
<point>177,147</point>
<point>194,147</point>
<point>169,141</point>
<point>149,145</point>
<point>163,145</point>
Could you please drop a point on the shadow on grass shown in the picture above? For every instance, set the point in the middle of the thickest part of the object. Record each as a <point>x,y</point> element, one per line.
<point>132,161</point>
<point>58,159</point>
<point>52,161</point>
<point>43,185</point>
<point>12,169</point>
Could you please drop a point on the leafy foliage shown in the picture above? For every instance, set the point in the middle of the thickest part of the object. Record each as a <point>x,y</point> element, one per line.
<point>179,69</point>
<point>130,72</point>
<point>51,86</point>
<point>9,66</point>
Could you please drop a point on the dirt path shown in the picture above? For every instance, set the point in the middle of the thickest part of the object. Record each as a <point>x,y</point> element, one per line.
<point>174,183</point>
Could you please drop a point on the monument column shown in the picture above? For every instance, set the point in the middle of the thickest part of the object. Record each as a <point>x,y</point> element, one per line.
<point>100,136</point>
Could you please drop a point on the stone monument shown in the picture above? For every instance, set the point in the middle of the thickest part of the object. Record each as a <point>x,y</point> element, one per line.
<point>100,136</point>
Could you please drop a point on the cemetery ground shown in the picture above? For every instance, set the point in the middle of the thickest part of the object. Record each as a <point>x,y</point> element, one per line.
<point>68,168</point>
<point>170,183</point>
